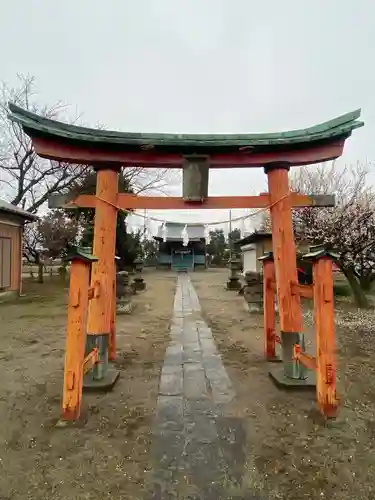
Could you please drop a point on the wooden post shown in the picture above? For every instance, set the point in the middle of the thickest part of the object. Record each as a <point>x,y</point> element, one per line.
<point>21,236</point>
<point>112,333</point>
<point>325,336</point>
<point>75,338</point>
<point>284,252</point>
<point>100,314</point>
<point>269,307</point>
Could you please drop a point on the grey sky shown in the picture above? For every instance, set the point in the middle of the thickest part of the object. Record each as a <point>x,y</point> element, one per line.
<point>200,66</point>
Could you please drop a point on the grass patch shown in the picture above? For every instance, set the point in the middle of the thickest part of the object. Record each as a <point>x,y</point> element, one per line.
<point>341,290</point>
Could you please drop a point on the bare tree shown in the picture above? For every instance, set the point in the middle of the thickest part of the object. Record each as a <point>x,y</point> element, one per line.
<point>57,233</point>
<point>51,236</point>
<point>32,247</point>
<point>152,181</point>
<point>32,243</point>
<point>26,179</point>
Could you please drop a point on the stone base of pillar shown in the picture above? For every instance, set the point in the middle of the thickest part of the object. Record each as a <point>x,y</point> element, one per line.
<point>292,375</point>
<point>105,384</point>
<point>103,376</point>
<point>278,377</point>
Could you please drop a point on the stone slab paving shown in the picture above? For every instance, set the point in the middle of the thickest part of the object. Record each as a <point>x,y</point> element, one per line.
<point>197,451</point>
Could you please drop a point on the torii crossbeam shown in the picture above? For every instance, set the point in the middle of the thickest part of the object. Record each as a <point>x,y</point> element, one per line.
<point>108,151</point>
<point>133,202</point>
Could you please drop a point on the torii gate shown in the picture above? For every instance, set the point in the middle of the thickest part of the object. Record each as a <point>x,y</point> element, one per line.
<point>108,151</point>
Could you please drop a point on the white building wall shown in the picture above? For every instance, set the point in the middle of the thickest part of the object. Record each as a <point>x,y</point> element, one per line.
<point>249,253</point>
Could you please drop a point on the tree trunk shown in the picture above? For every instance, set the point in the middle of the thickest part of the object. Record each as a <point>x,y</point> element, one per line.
<point>63,271</point>
<point>40,272</point>
<point>40,265</point>
<point>359,295</point>
<point>366,282</point>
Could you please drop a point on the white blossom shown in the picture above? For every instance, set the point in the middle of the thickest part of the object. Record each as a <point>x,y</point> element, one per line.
<point>349,227</point>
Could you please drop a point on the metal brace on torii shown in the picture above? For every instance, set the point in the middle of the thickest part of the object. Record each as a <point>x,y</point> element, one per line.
<point>196,155</point>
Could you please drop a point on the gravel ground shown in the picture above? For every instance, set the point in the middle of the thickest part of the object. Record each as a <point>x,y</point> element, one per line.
<point>291,453</point>
<point>109,456</point>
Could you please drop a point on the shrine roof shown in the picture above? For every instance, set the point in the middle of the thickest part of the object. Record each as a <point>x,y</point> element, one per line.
<point>14,210</point>
<point>39,126</point>
<point>254,237</point>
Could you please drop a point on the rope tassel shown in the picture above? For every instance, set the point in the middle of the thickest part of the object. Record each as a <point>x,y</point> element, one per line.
<point>207,235</point>
<point>164,231</point>
<point>185,236</point>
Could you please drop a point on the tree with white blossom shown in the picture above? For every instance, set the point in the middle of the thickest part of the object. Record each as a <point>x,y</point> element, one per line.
<point>348,228</point>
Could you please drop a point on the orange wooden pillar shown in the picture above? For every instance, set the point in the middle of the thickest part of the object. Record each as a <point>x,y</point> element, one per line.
<point>112,333</point>
<point>100,314</point>
<point>325,333</point>
<point>284,252</point>
<point>76,334</point>
<point>269,310</point>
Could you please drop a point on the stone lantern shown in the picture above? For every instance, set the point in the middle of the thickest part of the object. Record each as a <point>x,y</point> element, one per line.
<point>233,282</point>
<point>138,283</point>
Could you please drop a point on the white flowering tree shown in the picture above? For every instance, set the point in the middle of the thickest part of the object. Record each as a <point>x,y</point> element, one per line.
<point>349,227</point>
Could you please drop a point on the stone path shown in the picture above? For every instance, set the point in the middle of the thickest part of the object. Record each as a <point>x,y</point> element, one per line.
<point>197,451</point>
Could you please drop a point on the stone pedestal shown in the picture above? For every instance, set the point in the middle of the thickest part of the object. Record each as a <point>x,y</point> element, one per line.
<point>123,293</point>
<point>253,291</point>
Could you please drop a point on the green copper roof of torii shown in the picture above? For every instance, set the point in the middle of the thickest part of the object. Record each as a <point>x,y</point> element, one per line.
<point>34,124</point>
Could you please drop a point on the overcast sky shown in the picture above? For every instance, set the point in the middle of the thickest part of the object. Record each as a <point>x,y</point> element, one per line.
<point>200,66</point>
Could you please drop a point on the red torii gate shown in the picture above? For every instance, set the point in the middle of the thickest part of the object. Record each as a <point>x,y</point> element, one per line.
<point>108,151</point>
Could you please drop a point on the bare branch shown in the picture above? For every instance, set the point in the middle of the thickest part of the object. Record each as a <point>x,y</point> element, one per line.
<point>28,180</point>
